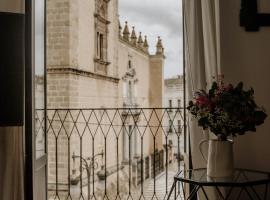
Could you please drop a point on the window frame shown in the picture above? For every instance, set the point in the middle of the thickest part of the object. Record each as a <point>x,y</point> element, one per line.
<point>31,164</point>
<point>29,140</point>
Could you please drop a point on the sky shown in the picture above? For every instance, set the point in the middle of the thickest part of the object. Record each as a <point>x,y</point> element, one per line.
<point>157,18</point>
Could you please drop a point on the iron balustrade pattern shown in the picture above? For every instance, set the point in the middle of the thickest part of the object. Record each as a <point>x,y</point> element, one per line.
<point>121,153</point>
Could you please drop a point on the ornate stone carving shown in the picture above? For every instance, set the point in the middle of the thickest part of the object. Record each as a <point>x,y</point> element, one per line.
<point>101,38</point>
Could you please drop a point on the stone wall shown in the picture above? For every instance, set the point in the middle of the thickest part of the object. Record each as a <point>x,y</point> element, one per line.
<point>174,91</point>
<point>61,37</point>
<point>156,93</point>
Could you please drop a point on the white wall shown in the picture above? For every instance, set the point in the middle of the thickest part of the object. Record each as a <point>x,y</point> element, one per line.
<point>245,56</point>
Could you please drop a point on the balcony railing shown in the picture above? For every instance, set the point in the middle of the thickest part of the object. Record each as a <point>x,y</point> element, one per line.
<point>117,153</point>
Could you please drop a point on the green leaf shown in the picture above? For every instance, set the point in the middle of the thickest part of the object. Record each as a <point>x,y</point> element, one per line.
<point>259,116</point>
<point>203,122</point>
<point>239,86</point>
<point>214,85</point>
<point>230,112</point>
<point>213,89</point>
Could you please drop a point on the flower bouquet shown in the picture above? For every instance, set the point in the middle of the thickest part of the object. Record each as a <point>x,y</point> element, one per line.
<point>227,110</point>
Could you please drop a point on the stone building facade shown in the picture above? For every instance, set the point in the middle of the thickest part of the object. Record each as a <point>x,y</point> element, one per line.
<point>92,63</point>
<point>174,98</point>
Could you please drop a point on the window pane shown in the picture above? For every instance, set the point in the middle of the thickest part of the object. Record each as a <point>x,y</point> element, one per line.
<point>39,79</point>
<point>170,103</point>
<point>101,46</point>
<point>97,45</point>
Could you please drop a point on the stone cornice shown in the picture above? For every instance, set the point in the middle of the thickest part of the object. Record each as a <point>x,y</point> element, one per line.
<point>158,56</point>
<point>134,47</point>
<point>80,72</point>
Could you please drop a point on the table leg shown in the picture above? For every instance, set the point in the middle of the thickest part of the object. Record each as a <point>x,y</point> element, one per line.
<point>265,193</point>
<point>205,193</point>
<point>175,191</point>
<point>229,193</point>
<point>239,195</point>
<point>184,193</point>
<point>219,193</point>
<point>171,190</point>
<point>249,195</point>
<point>254,191</point>
<point>194,192</point>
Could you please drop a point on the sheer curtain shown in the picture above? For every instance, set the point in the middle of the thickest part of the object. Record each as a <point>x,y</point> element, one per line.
<point>202,55</point>
<point>11,163</point>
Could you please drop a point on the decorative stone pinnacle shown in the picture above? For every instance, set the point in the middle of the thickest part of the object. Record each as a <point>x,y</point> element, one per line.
<point>160,49</point>
<point>133,36</point>
<point>140,41</point>
<point>159,43</point>
<point>126,32</point>
<point>145,45</point>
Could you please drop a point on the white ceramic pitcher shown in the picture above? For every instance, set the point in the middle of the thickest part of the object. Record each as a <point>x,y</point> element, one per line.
<point>220,158</point>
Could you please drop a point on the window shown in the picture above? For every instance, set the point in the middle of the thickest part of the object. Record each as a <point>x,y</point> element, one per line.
<point>101,53</point>
<point>170,126</point>
<point>97,45</point>
<point>101,23</point>
<point>100,123</point>
<point>170,103</point>
<point>129,91</point>
<point>179,103</point>
<point>100,46</point>
<point>179,126</point>
<point>131,140</point>
<point>170,106</point>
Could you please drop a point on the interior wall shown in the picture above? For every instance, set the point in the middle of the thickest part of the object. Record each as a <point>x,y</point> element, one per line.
<point>245,56</point>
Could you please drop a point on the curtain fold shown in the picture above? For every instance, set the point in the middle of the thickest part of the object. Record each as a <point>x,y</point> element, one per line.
<point>11,163</point>
<point>202,56</point>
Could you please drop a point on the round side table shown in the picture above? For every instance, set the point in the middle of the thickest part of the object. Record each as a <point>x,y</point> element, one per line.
<point>243,184</point>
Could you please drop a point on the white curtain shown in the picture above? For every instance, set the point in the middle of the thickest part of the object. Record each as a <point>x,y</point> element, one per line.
<point>11,163</point>
<point>202,54</point>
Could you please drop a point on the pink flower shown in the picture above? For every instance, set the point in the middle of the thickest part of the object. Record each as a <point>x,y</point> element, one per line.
<point>229,87</point>
<point>202,100</point>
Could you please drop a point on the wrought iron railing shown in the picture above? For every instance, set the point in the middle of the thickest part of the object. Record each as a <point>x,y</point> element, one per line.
<point>112,153</point>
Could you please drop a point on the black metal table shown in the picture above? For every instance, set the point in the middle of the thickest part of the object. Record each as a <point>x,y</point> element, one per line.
<point>244,184</point>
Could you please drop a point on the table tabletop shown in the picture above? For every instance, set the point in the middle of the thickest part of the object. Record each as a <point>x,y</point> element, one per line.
<point>240,177</point>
